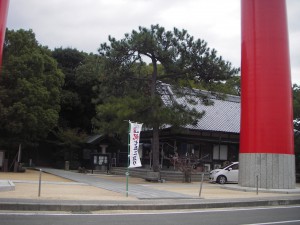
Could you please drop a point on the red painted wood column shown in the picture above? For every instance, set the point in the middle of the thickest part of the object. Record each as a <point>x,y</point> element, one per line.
<point>3,17</point>
<point>266,143</point>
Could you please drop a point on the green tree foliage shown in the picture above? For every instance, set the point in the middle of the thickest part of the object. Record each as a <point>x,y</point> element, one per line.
<point>82,72</point>
<point>129,89</point>
<point>88,75</point>
<point>30,86</point>
<point>296,107</point>
<point>67,146</point>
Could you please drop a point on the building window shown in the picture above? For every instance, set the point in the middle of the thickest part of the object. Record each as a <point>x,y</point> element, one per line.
<point>206,152</point>
<point>220,152</point>
<point>100,160</point>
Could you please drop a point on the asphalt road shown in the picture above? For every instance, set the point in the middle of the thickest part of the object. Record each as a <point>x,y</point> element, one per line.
<point>230,216</point>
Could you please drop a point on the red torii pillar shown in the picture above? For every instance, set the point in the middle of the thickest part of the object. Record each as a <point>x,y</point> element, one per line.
<point>267,135</point>
<point>3,17</point>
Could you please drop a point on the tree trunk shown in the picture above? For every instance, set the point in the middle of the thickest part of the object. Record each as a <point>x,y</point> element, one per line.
<point>154,77</point>
<point>155,142</point>
<point>187,176</point>
<point>155,148</point>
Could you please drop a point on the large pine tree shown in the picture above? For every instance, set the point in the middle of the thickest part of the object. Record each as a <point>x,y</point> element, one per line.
<point>129,89</point>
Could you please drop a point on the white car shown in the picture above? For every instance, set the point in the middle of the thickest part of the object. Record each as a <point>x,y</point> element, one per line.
<point>227,174</point>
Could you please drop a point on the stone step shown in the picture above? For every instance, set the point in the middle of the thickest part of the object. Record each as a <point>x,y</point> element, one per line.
<point>7,185</point>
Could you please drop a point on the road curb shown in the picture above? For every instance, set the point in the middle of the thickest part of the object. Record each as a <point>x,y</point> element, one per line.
<point>87,207</point>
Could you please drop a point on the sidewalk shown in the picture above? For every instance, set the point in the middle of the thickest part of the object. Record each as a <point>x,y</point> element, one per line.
<point>70,191</point>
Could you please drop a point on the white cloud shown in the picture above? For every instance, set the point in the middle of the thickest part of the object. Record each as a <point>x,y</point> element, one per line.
<point>293,12</point>
<point>86,24</point>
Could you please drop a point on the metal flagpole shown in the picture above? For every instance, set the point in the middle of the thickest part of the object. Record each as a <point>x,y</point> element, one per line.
<point>128,155</point>
<point>133,149</point>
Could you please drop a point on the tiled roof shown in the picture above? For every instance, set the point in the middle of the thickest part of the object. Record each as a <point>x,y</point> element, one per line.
<point>222,115</point>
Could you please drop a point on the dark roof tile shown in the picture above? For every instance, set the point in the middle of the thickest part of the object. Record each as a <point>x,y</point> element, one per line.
<point>222,115</point>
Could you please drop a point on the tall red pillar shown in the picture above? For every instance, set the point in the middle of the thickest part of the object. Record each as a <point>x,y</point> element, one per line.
<point>267,137</point>
<point>3,16</point>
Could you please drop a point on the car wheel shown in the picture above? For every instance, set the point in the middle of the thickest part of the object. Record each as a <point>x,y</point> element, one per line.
<point>221,179</point>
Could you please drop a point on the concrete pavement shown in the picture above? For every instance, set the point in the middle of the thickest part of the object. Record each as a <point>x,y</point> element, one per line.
<point>71,191</point>
<point>136,190</point>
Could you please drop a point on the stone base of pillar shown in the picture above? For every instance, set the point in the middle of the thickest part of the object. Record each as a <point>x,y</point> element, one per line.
<point>269,171</point>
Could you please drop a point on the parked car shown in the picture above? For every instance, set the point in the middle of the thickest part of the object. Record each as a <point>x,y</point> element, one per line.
<point>226,174</point>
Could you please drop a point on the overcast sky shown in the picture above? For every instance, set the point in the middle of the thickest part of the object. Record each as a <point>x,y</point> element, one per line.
<point>85,24</point>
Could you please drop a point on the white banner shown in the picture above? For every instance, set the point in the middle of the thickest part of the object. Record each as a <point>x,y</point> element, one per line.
<point>134,157</point>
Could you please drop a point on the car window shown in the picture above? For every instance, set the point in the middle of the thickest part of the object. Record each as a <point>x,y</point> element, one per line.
<point>235,167</point>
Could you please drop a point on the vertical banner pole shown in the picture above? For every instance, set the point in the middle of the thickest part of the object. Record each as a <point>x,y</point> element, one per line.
<point>127,172</point>
<point>133,149</point>
<point>256,184</point>
<point>201,183</point>
<point>40,182</point>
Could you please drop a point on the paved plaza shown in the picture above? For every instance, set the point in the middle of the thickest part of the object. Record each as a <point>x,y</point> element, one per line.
<point>98,191</point>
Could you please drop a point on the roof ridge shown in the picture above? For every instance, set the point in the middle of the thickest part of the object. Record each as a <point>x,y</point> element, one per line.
<point>209,94</point>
